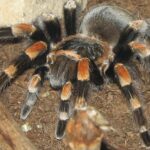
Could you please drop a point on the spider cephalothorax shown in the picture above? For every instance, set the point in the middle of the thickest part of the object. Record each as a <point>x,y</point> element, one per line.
<point>109,38</point>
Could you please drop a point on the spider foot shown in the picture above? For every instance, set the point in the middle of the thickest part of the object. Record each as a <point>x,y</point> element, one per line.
<point>70,17</point>
<point>70,4</point>
<point>25,111</point>
<point>64,115</point>
<point>145,135</point>
<point>27,107</point>
<point>61,126</point>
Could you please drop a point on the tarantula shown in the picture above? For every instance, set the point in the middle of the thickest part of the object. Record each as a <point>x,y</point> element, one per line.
<point>108,39</point>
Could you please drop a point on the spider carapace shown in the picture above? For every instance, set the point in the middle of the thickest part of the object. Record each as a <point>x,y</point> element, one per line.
<point>95,52</point>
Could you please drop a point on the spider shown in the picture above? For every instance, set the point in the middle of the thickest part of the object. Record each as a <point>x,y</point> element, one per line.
<point>108,39</point>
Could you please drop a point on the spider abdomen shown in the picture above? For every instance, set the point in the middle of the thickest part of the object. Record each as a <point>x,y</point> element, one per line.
<point>106,22</point>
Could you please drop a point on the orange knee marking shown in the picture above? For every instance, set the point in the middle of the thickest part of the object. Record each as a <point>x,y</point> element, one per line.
<point>66,91</point>
<point>68,53</point>
<point>137,24</point>
<point>123,74</point>
<point>139,48</point>
<point>83,70</point>
<point>34,50</point>
<point>80,103</point>
<point>36,79</point>
<point>135,103</point>
<point>23,28</point>
<point>10,71</point>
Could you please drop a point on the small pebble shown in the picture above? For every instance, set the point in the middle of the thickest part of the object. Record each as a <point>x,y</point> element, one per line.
<point>46,94</point>
<point>26,127</point>
<point>39,126</point>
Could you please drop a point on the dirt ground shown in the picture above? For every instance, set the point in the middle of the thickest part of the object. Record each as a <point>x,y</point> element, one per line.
<point>109,101</point>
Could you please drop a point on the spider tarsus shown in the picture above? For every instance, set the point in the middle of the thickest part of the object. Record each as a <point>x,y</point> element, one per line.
<point>64,110</point>
<point>29,103</point>
<point>106,146</point>
<point>61,126</point>
<point>70,17</point>
<point>25,111</point>
<point>34,86</point>
<point>145,135</point>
